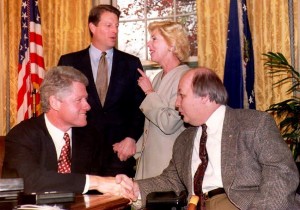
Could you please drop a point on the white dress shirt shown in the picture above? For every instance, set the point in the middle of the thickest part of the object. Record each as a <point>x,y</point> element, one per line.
<point>57,136</point>
<point>212,177</point>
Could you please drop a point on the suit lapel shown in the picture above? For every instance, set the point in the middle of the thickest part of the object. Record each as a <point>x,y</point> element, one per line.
<point>86,67</point>
<point>229,148</point>
<point>115,78</point>
<point>51,158</point>
<point>188,153</point>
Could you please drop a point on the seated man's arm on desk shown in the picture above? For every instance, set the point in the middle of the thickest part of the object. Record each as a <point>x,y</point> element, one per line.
<point>104,184</point>
<point>173,178</point>
<point>32,155</point>
<point>137,191</point>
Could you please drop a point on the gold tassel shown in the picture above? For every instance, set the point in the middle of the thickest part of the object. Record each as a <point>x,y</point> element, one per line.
<point>192,205</point>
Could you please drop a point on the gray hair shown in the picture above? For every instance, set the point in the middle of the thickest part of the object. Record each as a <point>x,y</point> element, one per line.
<point>58,80</point>
<point>207,83</point>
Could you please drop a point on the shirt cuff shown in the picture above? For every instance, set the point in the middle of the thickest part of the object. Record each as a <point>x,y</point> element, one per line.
<point>87,184</point>
<point>138,203</point>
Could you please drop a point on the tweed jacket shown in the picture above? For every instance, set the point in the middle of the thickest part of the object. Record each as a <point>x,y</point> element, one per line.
<point>258,171</point>
<point>30,152</point>
<point>162,124</point>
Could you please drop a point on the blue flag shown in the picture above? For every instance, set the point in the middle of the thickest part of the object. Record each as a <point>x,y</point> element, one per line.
<point>239,62</point>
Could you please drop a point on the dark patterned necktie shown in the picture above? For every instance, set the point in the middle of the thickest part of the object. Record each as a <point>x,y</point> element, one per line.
<point>198,178</point>
<point>64,161</point>
<point>102,78</point>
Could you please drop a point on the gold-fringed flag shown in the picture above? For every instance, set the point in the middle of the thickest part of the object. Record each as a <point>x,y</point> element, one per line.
<point>31,68</point>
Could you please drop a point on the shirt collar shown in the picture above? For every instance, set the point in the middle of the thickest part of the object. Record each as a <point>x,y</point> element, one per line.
<point>215,121</point>
<point>96,53</point>
<point>55,132</point>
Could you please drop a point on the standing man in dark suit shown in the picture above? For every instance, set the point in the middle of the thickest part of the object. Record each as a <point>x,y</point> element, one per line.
<point>118,115</point>
<point>249,164</point>
<point>57,151</point>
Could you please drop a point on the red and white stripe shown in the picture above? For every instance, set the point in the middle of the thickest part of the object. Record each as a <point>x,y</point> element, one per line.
<point>31,69</point>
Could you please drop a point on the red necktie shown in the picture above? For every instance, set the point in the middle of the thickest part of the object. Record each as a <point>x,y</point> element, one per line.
<point>198,178</point>
<point>64,161</point>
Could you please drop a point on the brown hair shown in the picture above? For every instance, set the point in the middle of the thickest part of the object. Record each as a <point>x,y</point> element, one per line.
<point>97,11</point>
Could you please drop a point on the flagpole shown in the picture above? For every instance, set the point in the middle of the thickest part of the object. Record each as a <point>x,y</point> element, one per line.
<point>298,67</point>
<point>8,79</point>
<point>291,29</point>
<point>292,33</point>
<point>33,102</point>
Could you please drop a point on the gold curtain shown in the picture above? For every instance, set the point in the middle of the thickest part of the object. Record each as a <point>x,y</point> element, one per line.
<point>64,25</point>
<point>212,19</point>
<point>3,69</point>
<point>64,28</point>
<point>269,24</point>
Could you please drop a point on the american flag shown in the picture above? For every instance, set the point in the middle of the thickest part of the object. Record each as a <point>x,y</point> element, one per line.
<point>31,68</point>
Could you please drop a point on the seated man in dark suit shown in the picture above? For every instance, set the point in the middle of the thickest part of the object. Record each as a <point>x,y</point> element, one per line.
<point>57,151</point>
<point>229,158</point>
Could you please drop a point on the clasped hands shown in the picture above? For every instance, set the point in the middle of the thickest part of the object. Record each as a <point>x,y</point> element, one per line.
<point>125,148</point>
<point>128,188</point>
<point>121,185</point>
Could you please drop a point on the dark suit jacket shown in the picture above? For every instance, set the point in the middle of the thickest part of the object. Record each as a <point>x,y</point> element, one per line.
<point>258,171</point>
<point>30,151</point>
<point>120,116</point>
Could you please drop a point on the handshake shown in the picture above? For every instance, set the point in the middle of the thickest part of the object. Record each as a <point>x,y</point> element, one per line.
<point>121,185</point>
<point>128,188</point>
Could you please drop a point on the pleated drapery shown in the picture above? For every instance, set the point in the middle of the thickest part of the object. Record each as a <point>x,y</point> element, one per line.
<point>269,24</point>
<point>65,29</point>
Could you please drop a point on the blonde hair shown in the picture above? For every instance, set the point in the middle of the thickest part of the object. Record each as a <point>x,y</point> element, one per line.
<point>175,35</point>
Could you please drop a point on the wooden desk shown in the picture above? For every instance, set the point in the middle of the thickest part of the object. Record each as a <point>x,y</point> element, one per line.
<point>99,202</point>
<point>90,202</point>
